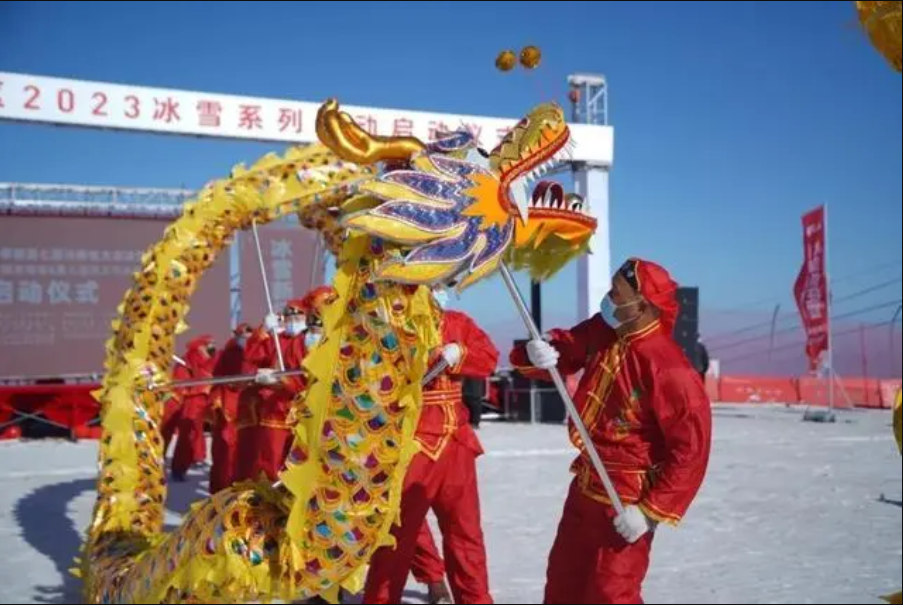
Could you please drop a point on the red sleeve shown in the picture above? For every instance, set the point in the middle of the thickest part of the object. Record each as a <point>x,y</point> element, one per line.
<point>294,352</point>
<point>230,362</point>
<point>479,357</point>
<point>683,413</point>
<point>572,345</point>
<point>216,397</point>
<point>257,350</point>
<point>180,373</point>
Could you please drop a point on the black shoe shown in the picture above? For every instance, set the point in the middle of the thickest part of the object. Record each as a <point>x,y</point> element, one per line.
<point>438,594</point>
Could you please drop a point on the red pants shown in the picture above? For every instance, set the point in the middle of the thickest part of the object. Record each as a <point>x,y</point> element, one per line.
<point>427,566</point>
<point>261,449</point>
<point>224,452</point>
<point>590,562</point>
<point>190,445</point>
<point>172,411</point>
<point>449,487</point>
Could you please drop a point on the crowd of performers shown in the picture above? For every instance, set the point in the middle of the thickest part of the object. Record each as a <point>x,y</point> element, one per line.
<point>644,405</point>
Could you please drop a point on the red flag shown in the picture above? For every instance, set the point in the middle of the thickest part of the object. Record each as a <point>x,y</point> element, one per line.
<point>811,287</point>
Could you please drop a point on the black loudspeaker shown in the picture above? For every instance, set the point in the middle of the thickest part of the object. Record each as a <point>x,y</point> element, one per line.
<point>686,330</point>
<point>473,390</point>
<point>549,406</point>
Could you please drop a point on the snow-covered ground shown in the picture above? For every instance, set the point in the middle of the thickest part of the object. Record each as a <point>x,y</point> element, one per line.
<point>791,512</point>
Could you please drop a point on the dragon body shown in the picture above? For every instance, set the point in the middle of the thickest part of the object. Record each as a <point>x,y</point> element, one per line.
<point>400,216</point>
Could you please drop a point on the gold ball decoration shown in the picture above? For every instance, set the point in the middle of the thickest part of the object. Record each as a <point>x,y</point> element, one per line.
<point>530,57</point>
<point>506,60</point>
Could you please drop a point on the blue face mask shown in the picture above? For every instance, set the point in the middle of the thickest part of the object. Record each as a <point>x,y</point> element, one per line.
<point>241,341</point>
<point>441,297</point>
<point>312,339</point>
<point>293,328</point>
<point>608,308</point>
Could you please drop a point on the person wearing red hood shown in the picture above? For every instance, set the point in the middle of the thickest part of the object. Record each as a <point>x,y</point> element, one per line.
<point>265,434</point>
<point>191,448</point>
<point>224,401</point>
<point>650,420</point>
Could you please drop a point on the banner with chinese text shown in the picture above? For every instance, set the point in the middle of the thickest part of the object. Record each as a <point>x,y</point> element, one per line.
<point>41,99</point>
<point>61,280</point>
<point>811,288</point>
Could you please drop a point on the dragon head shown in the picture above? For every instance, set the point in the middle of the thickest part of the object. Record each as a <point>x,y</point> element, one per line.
<point>529,150</point>
<point>454,211</point>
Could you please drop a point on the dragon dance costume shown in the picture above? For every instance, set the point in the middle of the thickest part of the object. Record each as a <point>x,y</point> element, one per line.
<point>264,423</point>
<point>264,430</point>
<point>442,477</point>
<point>191,446</point>
<point>224,402</point>
<point>650,420</point>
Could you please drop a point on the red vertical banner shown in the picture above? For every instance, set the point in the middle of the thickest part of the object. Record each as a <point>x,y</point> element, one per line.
<point>811,288</point>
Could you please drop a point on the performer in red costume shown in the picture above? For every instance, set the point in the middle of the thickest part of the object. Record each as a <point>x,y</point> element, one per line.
<point>443,475</point>
<point>224,401</point>
<point>265,435</point>
<point>650,420</point>
<point>191,447</point>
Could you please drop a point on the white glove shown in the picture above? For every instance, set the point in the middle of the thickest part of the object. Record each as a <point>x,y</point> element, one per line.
<point>542,354</point>
<point>633,524</point>
<point>271,322</point>
<point>452,353</point>
<point>265,377</point>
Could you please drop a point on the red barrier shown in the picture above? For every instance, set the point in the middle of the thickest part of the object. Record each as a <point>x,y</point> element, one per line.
<point>849,392</point>
<point>863,392</point>
<point>87,432</point>
<point>889,389</point>
<point>68,406</point>
<point>712,388</point>
<point>757,389</point>
<point>816,392</point>
<point>11,433</point>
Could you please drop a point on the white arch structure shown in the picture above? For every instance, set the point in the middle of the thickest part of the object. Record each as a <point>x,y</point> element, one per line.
<point>87,104</point>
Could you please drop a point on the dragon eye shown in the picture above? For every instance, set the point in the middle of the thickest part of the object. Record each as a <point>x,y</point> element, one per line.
<point>574,202</point>
<point>483,152</point>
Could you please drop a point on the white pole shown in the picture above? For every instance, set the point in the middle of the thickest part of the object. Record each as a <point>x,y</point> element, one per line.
<point>266,290</point>
<point>562,390</point>
<point>829,296</point>
<point>317,261</point>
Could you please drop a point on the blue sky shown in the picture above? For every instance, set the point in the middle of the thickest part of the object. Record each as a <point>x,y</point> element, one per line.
<point>731,118</point>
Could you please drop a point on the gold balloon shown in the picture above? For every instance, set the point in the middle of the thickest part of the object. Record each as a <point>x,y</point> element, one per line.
<point>506,60</point>
<point>530,56</point>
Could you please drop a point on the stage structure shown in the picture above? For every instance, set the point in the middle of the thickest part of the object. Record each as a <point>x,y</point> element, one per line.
<point>65,102</point>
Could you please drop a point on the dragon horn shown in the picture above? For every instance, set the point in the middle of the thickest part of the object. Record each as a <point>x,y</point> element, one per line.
<point>338,131</point>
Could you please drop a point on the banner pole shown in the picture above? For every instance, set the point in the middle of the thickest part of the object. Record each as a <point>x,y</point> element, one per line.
<point>829,297</point>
